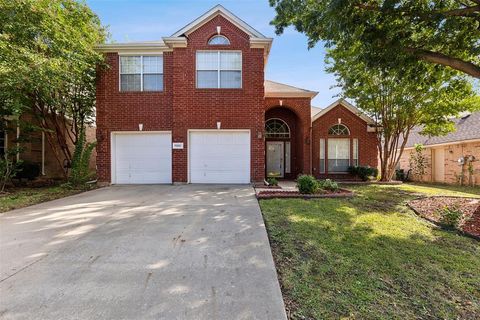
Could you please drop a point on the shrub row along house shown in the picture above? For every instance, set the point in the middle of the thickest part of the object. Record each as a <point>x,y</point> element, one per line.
<point>195,108</point>
<point>453,158</point>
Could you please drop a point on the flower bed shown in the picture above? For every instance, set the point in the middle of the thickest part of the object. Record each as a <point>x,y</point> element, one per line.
<point>434,209</point>
<point>271,194</point>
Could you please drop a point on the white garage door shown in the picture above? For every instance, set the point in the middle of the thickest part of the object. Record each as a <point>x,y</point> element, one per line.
<point>141,158</point>
<point>219,157</point>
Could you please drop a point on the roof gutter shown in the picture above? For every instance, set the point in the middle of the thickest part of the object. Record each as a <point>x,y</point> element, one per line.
<point>446,143</point>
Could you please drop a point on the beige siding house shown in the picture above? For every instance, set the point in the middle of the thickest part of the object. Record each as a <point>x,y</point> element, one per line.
<point>454,158</point>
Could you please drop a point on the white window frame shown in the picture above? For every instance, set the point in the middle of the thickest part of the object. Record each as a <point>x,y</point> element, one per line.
<point>349,154</point>
<point>218,36</point>
<point>219,70</point>
<point>141,70</point>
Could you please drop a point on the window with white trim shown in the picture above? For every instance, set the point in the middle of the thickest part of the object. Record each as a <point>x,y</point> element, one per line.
<point>339,130</point>
<point>219,69</point>
<point>338,155</point>
<point>355,152</point>
<point>141,73</point>
<point>276,128</point>
<point>219,40</point>
<point>321,167</point>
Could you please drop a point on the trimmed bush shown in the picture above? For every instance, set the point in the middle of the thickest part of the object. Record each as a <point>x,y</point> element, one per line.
<point>272,182</point>
<point>363,172</point>
<point>328,184</point>
<point>28,170</point>
<point>307,184</point>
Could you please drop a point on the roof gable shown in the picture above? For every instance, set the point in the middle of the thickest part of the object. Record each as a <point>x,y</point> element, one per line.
<point>350,107</point>
<point>212,13</point>
<point>280,90</point>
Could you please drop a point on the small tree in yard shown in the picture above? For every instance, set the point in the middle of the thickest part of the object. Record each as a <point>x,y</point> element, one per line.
<point>400,99</point>
<point>418,161</point>
<point>390,57</point>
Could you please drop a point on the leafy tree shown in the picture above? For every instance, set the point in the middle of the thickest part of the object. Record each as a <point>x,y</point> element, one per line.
<point>400,99</point>
<point>393,32</point>
<point>48,64</point>
<point>369,50</point>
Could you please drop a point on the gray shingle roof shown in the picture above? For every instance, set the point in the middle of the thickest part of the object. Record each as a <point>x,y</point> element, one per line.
<point>467,128</point>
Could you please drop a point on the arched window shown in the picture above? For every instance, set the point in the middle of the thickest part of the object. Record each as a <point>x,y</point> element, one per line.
<point>219,41</point>
<point>276,128</point>
<point>338,130</point>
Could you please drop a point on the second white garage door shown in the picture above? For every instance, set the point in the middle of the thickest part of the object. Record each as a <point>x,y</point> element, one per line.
<point>219,156</point>
<point>141,158</point>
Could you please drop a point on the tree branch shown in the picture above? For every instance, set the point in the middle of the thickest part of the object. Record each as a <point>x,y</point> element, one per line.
<point>472,11</point>
<point>440,58</point>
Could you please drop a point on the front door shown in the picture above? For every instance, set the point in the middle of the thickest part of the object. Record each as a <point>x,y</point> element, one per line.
<point>275,159</point>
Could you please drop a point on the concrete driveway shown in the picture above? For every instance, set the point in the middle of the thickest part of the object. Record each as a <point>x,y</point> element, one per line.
<point>139,252</point>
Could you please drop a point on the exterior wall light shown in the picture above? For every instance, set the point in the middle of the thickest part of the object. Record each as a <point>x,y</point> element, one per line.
<point>140,126</point>
<point>219,125</point>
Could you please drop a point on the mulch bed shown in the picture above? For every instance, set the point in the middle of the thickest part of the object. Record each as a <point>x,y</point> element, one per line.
<point>430,208</point>
<point>340,193</point>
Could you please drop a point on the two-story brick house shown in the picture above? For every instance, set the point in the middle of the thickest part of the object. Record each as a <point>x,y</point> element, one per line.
<point>195,107</point>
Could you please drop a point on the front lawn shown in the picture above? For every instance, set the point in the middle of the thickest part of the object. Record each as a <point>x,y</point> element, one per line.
<point>23,197</point>
<point>370,257</point>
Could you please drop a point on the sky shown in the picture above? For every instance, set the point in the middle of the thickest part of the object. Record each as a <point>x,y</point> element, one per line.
<point>290,60</point>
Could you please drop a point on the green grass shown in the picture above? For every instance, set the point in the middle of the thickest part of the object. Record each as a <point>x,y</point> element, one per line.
<point>370,257</point>
<point>23,197</point>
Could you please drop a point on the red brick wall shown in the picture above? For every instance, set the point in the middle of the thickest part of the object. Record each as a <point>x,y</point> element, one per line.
<point>367,145</point>
<point>181,106</point>
<point>301,108</point>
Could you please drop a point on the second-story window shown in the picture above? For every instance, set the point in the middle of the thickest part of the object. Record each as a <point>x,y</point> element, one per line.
<point>141,73</point>
<point>219,69</point>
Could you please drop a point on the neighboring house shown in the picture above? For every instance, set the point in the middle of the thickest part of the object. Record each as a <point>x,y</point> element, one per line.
<point>443,153</point>
<point>34,146</point>
<point>195,107</point>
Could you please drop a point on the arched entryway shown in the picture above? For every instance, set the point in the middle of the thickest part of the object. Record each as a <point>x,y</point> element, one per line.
<point>283,143</point>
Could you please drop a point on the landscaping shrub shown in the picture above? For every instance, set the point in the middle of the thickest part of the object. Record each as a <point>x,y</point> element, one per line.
<point>8,167</point>
<point>450,217</point>
<point>328,184</point>
<point>307,184</point>
<point>400,175</point>
<point>363,172</point>
<point>28,170</point>
<point>272,182</point>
